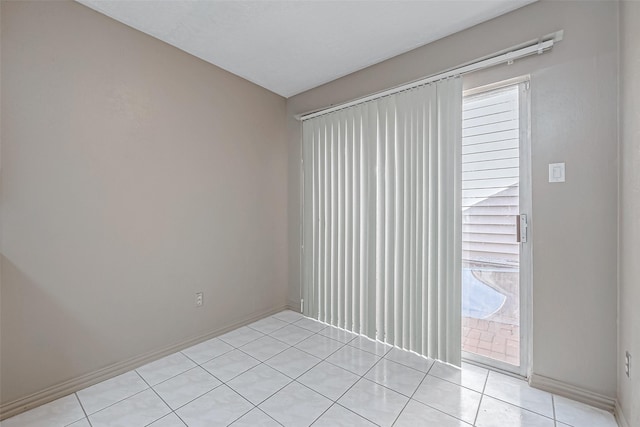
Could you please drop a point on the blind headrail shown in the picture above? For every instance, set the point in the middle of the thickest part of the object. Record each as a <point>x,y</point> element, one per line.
<point>507,56</point>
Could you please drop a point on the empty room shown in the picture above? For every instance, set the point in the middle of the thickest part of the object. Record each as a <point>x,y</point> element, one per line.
<point>319,213</point>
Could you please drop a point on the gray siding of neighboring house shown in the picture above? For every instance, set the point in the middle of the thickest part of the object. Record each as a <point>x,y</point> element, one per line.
<point>490,176</point>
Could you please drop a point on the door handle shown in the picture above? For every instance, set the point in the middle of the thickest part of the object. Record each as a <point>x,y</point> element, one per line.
<point>521,228</point>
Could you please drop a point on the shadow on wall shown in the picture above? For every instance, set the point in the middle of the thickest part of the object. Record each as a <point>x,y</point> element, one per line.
<point>29,313</point>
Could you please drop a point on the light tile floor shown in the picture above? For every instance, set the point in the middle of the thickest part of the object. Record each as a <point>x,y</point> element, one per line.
<point>287,370</point>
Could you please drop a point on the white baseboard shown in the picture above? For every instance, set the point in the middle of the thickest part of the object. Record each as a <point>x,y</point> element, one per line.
<point>572,392</point>
<point>65,388</point>
<point>622,421</point>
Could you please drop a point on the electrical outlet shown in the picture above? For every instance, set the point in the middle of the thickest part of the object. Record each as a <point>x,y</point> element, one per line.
<point>199,299</point>
<point>627,364</point>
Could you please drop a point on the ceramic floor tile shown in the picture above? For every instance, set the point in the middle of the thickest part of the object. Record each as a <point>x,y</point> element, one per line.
<point>353,359</point>
<point>374,402</point>
<point>185,387</point>
<point>310,324</point>
<point>230,365</point>
<point>519,393</point>
<point>264,348</point>
<point>219,407</point>
<point>395,376</point>
<point>259,383</point>
<point>295,405</point>
<point>319,345</point>
<point>291,334</point>
<point>255,418</point>
<point>469,376</point>
<point>578,414</point>
<point>417,414</point>
<point>241,336</point>
<point>495,413</point>
<point>135,411</point>
<point>338,416</point>
<point>444,395</point>
<point>205,351</point>
<point>454,400</point>
<point>293,362</point>
<point>170,420</point>
<point>288,316</point>
<point>268,325</point>
<point>371,346</point>
<point>338,334</point>
<point>329,380</point>
<point>61,412</point>
<point>108,392</point>
<point>165,368</point>
<point>82,423</point>
<point>412,360</point>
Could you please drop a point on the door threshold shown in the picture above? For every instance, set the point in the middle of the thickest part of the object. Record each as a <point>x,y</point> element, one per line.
<point>491,367</point>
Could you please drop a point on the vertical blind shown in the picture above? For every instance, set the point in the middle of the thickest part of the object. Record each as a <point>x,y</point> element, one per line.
<point>381,231</point>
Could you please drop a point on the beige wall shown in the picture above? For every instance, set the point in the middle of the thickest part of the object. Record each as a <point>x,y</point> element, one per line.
<point>133,176</point>
<point>574,119</point>
<point>629,297</point>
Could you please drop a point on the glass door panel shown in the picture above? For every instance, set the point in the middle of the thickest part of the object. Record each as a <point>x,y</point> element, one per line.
<point>491,192</point>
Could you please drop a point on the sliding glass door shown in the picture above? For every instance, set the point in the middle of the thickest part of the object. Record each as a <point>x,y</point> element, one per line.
<point>495,207</point>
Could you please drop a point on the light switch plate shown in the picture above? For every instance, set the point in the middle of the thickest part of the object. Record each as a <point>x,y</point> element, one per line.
<point>556,172</point>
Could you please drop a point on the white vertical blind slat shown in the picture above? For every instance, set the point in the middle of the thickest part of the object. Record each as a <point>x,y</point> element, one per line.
<point>357,223</point>
<point>333,274</point>
<point>390,223</point>
<point>340,285</point>
<point>372,169</point>
<point>380,235</point>
<point>307,222</point>
<point>348,220</point>
<point>404,310</point>
<point>326,283</point>
<point>311,306</point>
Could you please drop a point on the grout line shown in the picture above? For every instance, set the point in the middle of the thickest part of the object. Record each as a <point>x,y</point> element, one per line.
<point>199,396</point>
<point>414,393</point>
<point>459,385</point>
<point>165,416</point>
<point>179,417</point>
<point>216,356</point>
<point>433,407</point>
<point>83,410</point>
<point>261,410</point>
<point>119,401</point>
<point>171,377</point>
<point>484,393</point>
<point>335,402</point>
<point>484,387</point>
<point>353,412</point>
<point>160,397</point>
<point>475,419</point>
<point>519,407</point>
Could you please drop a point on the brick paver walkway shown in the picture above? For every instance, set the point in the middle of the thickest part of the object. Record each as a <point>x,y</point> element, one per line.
<point>493,339</point>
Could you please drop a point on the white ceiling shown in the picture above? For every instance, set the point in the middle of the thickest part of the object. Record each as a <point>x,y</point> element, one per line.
<point>294,45</point>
